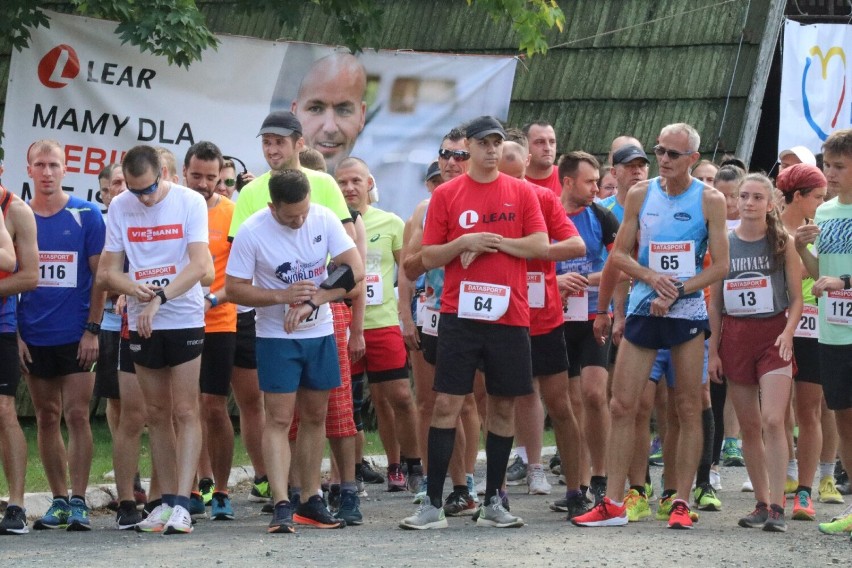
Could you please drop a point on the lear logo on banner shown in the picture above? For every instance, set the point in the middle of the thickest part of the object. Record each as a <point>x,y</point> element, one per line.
<point>58,67</point>
<point>823,59</point>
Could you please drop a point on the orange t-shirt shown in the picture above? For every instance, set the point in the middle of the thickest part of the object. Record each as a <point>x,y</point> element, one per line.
<point>224,316</point>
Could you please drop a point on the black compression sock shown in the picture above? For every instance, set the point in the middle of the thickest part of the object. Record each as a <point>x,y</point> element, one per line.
<point>441,443</point>
<point>497,451</point>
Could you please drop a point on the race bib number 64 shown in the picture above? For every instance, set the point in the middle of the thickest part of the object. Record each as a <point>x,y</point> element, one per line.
<point>482,301</point>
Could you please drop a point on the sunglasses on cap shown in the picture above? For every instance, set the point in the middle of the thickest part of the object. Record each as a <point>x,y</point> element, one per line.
<point>145,190</point>
<point>459,155</point>
<point>673,154</point>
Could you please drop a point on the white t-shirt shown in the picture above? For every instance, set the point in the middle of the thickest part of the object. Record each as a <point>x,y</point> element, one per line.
<point>275,257</point>
<point>155,240</point>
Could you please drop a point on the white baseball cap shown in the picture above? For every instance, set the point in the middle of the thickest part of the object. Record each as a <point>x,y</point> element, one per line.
<point>805,156</point>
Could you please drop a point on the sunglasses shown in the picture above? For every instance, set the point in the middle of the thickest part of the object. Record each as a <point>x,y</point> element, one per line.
<point>459,155</point>
<point>672,154</point>
<point>146,190</point>
<point>230,182</point>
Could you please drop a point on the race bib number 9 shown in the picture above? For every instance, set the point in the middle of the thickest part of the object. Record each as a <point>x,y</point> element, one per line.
<point>838,308</point>
<point>481,301</point>
<point>375,290</point>
<point>159,276</point>
<point>430,322</point>
<point>748,295</point>
<point>675,258</point>
<point>808,323</point>
<point>57,269</point>
<point>535,289</point>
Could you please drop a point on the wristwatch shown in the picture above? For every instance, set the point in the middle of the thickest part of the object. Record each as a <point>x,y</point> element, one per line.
<point>846,281</point>
<point>162,296</point>
<point>214,301</point>
<point>679,287</point>
<point>93,328</point>
<point>312,305</point>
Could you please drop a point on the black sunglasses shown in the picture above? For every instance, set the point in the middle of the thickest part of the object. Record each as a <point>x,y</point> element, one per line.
<point>459,155</point>
<point>147,190</point>
<point>673,154</point>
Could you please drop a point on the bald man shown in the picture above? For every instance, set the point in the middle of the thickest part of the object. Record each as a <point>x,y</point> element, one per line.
<point>330,105</point>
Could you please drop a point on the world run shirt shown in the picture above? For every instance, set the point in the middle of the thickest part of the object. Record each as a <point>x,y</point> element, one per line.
<point>155,241</point>
<point>276,256</point>
<point>672,240</point>
<point>55,313</point>
<point>541,274</point>
<point>506,206</point>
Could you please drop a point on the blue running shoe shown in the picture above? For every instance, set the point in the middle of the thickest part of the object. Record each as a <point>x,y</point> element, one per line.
<point>196,505</point>
<point>221,507</point>
<point>78,520</point>
<point>56,516</point>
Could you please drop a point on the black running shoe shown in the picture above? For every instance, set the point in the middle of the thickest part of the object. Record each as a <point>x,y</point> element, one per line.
<point>313,513</point>
<point>127,516</point>
<point>367,473</point>
<point>282,519</point>
<point>14,521</point>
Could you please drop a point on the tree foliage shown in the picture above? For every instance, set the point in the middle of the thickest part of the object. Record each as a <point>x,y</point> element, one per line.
<point>177,30</point>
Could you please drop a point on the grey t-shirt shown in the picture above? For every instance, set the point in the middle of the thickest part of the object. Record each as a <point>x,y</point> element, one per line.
<point>751,259</point>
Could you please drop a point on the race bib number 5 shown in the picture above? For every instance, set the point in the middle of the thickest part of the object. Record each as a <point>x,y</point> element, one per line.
<point>748,295</point>
<point>675,258</point>
<point>481,301</point>
<point>838,308</point>
<point>57,269</point>
<point>375,290</point>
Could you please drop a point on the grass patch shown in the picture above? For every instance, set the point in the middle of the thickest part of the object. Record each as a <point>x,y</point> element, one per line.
<point>102,458</point>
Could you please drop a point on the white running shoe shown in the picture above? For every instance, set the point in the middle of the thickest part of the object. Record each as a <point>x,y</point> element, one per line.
<point>715,480</point>
<point>537,481</point>
<point>180,522</point>
<point>156,519</point>
<point>747,486</point>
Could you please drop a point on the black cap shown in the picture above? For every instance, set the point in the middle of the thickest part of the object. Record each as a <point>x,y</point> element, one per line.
<point>280,122</point>
<point>482,126</point>
<point>627,154</point>
<point>432,171</point>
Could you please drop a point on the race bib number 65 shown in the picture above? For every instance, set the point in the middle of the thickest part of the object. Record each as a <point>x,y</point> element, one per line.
<point>675,258</point>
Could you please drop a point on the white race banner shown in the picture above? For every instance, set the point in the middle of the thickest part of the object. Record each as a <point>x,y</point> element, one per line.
<point>815,84</point>
<point>78,84</point>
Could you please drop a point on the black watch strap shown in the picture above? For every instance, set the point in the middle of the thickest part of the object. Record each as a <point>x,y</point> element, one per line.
<point>93,327</point>
<point>162,296</point>
<point>846,281</point>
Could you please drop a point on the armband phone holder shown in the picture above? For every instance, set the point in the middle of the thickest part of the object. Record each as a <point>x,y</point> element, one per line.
<point>340,277</point>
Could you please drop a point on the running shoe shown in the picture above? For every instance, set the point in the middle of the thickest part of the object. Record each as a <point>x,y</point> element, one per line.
<point>649,490</point>
<point>495,515</point>
<point>747,486</point>
<point>156,519</point>
<point>537,481</point>
<point>715,480</point>
<point>828,492</point>
<point>14,521</point>
<point>655,454</point>
<point>196,505</point>
<point>282,519</point>
<point>56,516</point>
<point>561,505</point>
<point>313,513</point>
<point>260,491</point>
<point>350,509</point>
<point>414,479</point>
<point>396,479</point>
<point>775,522</point>
<point>790,486</point>
<point>180,521</point>
<point>458,503</point>
<point>555,464</point>
<point>664,508</point>
<point>78,520</point>
<point>220,508</point>
<point>516,473</point>
<point>803,507</point>
<point>426,517</point>
<point>732,454</point>
<point>680,517</point>
<point>842,524</point>
<point>575,506</point>
<point>756,518</point>
<point>420,496</point>
<point>471,488</point>
<point>127,517</point>
<point>598,488</point>
<point>205,488</point>
<point>705,498</point>
<point>334,497</point>
<point>367,474</point>
<point>637,506</point>
<point>604,514</point>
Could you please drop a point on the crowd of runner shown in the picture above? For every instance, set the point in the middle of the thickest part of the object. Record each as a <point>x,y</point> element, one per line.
<point>520,288</point>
